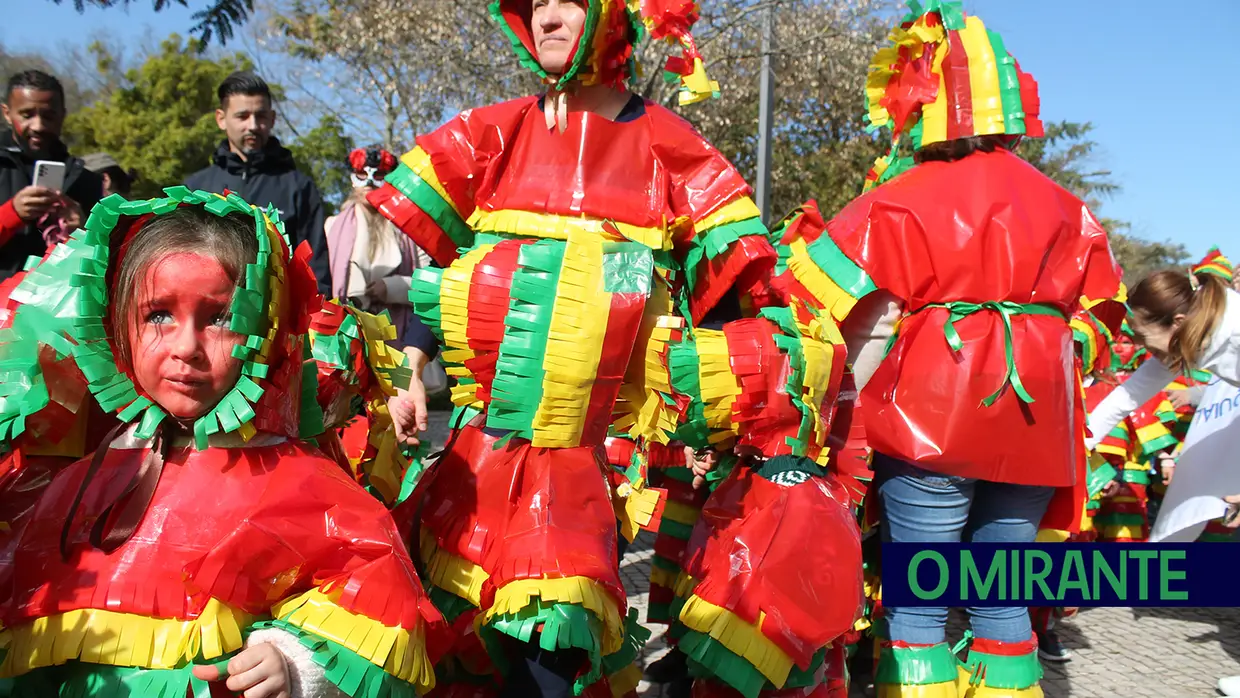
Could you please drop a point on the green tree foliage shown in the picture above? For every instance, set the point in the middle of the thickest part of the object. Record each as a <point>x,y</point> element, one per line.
<point>160,120</point>
<point>322,153</point>
<point>1065,155</point>
<point>217,20</point>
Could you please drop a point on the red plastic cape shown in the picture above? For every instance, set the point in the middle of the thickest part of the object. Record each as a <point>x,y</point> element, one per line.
<point>749,552</point>
<point>247,526</point>
<point>989,227</point>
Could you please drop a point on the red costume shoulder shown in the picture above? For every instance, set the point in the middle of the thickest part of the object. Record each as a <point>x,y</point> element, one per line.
<point>247,526</point>
<point>703,179</point>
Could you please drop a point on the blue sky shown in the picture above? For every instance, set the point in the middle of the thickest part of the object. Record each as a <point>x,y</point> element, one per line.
<point>1145,73</point>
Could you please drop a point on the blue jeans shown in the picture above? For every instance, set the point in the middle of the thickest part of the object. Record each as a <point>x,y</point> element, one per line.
<point>919,506</point>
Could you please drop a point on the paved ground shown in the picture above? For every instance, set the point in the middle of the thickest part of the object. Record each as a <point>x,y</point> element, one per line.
<point>1120,652</point>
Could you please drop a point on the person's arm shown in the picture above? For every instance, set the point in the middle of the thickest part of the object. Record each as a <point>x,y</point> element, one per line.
<point>312,231</point>
<point>396,289</point>
<point>1142,385</point>
<point>867,329</point>
<point>10,222</point>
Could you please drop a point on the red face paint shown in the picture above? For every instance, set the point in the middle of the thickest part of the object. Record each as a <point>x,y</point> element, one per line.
<point>180,341</point>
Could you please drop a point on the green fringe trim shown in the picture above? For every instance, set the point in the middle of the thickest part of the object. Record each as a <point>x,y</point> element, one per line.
<point>790,470</point>
<point>1162,443</point>
<point>424,296</point>
<point>916,666</point>
<point>846,274</point>
<point>1119,520</point>
<point>351,673</point>
<point>708,658</point>
<point>949,10</point>
<point>564,626</point>
<point>432,204</point>
<point>1136,477</point>
<point>1004,672</point>
<point>517,389</point>
<point>524,57</point>
<point>450,605</point>
<point>635,637</point>
<point>805,678</point>
<point>683,366</point>
<point>1099,477</point>
<point>86,680</point>
<point>790,343</point>
<point>310,419</point>
<point>716,241</point>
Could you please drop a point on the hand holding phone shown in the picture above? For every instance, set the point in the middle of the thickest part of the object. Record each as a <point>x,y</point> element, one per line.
<point>49,174</point>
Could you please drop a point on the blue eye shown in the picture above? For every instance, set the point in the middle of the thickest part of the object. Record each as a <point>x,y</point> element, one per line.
<point>159,317</point>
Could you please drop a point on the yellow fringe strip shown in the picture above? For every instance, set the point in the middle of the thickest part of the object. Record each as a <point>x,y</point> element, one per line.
<point>1051,535</point>
<point>1108,449</point>
<point>685,584</point>
<point>454,320</point>
<point>420,162</point>
<point>742,638</point>
<point>635,505</point>
<point>574,345</point>
<point>880,70</point>
<point>739,209</point>
<point>400,652</point>
<point>662,577</point>
<point>1124,531</point>
<point>122,639</point>
<point>681,513</point>
<point>719,385</point>
<point>579,591</point>
<point>834,299</point>
<point>451,573</point>
<point>1150,432</point>
<point>631,414</point>
<point>946,689</point>
<point>655,420</point>
<point>556,227</point>
<point>625,681</point>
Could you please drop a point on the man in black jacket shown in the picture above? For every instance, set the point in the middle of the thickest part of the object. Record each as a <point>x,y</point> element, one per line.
<point>33,218</point>
<point>253,164</point>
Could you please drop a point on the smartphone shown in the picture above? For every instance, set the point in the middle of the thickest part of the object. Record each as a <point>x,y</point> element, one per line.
<point>50,174</point>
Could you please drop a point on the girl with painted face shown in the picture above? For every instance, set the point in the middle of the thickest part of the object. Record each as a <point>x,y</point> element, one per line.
<point>206,540</point>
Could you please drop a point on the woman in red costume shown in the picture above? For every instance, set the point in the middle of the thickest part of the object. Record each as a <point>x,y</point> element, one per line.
<point>206,546</point>
<point>567,223</point>
<point>968,266</point>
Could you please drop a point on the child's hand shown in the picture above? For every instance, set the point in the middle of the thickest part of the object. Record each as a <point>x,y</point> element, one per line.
<point>1166,467</point>
<point>700,464</point>
<point>256,672</point>
<point>409,413</point>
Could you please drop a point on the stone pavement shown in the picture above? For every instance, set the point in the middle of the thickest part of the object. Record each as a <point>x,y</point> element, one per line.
<point>1119,652</point>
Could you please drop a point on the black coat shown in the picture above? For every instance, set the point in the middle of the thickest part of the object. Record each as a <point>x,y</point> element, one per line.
<point>17,173</point>
<point>271,177</point>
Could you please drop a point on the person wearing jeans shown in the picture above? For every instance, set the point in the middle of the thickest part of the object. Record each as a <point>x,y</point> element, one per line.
<point>956,273</point>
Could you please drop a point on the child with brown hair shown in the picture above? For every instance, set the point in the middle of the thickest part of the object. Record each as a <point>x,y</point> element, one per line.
<point>207,544</point>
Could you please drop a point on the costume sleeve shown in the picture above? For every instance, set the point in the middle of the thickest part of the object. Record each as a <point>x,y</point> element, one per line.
<point>1142,385</point>
<point>1102,272</point>
<point>306,678</point>
<point>354,358</point>
<point>719,232</point>
<point>10,222</point>
<point>432,194</point>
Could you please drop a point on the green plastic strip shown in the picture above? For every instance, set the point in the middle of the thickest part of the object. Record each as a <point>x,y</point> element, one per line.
<point>432,204</point>
<point>1003,671</point>
<point>916,666</point>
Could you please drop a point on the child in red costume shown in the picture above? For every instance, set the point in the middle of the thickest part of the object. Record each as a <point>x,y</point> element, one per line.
<point>968,266</point>
<point>206,545</point>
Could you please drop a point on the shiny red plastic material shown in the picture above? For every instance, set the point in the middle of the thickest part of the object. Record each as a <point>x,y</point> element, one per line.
<point>524,513</point>
<point>986,228</point>
<point>653,173</point>
<point>749,553</point>
<point>249,526</point>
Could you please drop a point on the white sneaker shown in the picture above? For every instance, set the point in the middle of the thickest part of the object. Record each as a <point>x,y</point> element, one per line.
<point>1229,685</point>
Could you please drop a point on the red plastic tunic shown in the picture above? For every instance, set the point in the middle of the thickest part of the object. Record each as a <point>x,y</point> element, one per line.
<point>989,227</point>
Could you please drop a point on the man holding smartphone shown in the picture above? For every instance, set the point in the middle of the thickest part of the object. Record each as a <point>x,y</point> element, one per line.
<point>33,217</point>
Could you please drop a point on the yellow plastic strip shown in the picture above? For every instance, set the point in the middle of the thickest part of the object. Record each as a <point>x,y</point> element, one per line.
<point>719,386</point>
<point>835,299</point>
<point>1151,432</point>
<point>454,303</point>
<point>946,689</point>
<point>736,210</point>
<point>742,638</point>
<point>401,653</point>
<point>122,639</point>
<point>419,161</point>
<point>556,227</point>
<point>574,345</point>
<point>451,573</point>
<point>625,681</point>
<point>983,78</point>
<point>934,115</point>
<point>579,591</point>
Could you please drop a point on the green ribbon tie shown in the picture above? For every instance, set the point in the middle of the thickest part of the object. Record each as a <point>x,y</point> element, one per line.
<point>958,310</point>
